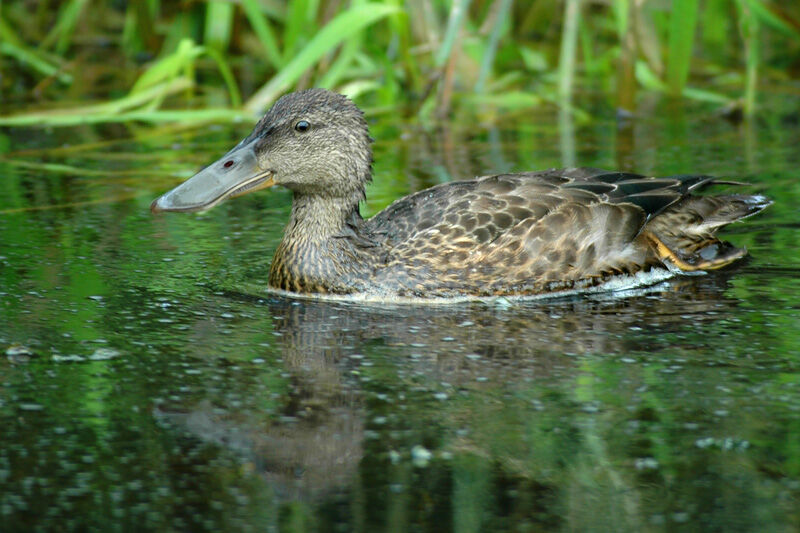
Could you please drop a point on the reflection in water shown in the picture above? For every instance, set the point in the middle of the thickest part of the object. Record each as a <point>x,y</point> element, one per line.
<point>303,458</point>
<point>566,129</point>
<point>316,334</point>
<point>334,427</point>
<point>137,394</point>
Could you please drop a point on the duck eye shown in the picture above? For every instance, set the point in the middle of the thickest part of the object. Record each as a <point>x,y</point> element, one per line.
<point>302,125</point>
<point>228,163</point>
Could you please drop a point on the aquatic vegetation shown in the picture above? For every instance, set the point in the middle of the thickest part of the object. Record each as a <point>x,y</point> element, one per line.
<point>427,57</point>
<point>140,387</point>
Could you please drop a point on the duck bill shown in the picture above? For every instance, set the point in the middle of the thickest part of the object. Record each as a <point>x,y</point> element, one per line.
<point>234,174</point>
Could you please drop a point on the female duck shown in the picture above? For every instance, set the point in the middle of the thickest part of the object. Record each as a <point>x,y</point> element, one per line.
<point>509,234</point>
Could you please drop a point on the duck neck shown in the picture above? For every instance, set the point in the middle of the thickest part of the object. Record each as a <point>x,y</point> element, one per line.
<point>317,253</point>
<point>317,219</point>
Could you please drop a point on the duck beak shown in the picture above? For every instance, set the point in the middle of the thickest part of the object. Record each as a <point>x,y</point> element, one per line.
<point>234,174</point>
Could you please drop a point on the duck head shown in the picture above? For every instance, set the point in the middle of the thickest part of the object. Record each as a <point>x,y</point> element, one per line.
<point>313,142</point>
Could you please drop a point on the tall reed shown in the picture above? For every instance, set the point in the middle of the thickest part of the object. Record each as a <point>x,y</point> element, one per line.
<point>419,54</point>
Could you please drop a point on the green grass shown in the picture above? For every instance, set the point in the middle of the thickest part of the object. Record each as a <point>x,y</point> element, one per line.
<point>682,28</point>
<point>414,55</point>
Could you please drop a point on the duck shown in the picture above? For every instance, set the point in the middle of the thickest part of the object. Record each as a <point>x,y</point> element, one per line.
<point>517,234</point>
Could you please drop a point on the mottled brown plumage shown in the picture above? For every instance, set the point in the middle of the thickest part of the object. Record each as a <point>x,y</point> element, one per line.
<point>509,234</point>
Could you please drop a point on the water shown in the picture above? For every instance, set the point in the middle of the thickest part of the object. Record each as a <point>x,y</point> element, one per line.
<point>145,386</point>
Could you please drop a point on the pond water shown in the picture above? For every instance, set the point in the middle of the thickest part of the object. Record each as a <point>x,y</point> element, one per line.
<point>146,384</point>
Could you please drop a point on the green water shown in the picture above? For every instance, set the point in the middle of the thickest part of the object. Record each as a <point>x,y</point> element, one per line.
<point>139,390</point>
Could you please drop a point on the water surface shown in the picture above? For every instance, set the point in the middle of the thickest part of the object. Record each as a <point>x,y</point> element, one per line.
<point>143,386</point>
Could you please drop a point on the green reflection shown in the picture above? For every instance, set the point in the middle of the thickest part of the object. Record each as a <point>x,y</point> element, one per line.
<point>154,393</point>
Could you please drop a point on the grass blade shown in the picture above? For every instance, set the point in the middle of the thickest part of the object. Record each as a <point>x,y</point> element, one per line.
<point>337,70</point>
<point>715,26</point>
<point>454,23</point>
<point>626,72</point>
<point>748,22</point>
<point>227,75</point>
<point>569,46</point>
<point>11,45</point>
<point>65,26</point>
<point>218,25</point>
<point>182,61</point>
<point>763,13</point>
<point>323,42</point>
<point>298,22</point>
<point>491,47</point>
<point>96,113</point>
<point>345,57</point>
<point>183,116</point>
<point>649,80</point>
<point>682,22</point>
<point>621,11</point>
<point>401,27</point>
<point>260,24</point>
<point>32,58</point>
<point>167,67</point>
<point>706,96</point>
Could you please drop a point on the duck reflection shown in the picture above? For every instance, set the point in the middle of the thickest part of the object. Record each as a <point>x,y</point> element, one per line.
<point>315,444</point>
<point>319,336</point>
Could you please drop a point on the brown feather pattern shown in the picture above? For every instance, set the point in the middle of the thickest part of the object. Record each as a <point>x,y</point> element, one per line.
<point>533,233</point>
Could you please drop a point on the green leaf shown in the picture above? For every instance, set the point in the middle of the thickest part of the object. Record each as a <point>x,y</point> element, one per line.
<point>534,60</point>
<point>647,78</point>
<point>34,59</point>
<point>299,22</point>
<point>182,60</point>
<point>260,24</point>
<point>218,25</point>
<point>454,23</point>
<point>338,29</point>
<point>67,20</point>
<point>106,112</point>
<point>511,100</point>
<point>762,11</point>
<point>682,23</point>
<point>168,67</point>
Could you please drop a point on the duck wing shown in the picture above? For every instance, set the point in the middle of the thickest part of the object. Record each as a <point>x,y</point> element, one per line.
<point>550,230</point>
<point>488,205</point>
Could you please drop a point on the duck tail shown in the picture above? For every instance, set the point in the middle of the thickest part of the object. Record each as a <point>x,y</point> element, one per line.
<point>684,235</point>
<point>714,254</point>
